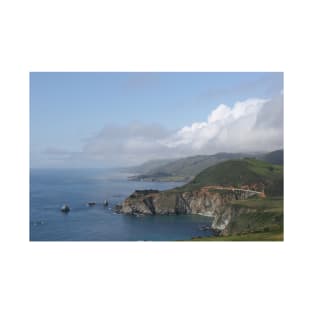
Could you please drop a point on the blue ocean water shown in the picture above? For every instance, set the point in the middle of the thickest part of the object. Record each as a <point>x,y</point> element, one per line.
<point>51,188</point>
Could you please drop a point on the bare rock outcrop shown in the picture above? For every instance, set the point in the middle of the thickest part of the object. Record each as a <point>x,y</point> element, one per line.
<point>214,203</point>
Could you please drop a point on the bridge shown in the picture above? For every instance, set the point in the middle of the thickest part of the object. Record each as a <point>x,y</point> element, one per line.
<point>259,193</point>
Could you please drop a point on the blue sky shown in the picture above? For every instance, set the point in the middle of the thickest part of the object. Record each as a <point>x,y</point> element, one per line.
<point>69,111</point>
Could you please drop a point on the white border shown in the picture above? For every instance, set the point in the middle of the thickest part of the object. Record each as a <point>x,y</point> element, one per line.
<point>155,36</point>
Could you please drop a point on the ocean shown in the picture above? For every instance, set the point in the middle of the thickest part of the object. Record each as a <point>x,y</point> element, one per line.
<point>51,188</point>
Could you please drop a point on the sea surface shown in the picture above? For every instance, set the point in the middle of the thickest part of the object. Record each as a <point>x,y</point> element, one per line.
<point>51,188</point>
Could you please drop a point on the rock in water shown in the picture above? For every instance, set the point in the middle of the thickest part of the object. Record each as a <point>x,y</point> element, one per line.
<point>65,208</point>
<point>118,208</point>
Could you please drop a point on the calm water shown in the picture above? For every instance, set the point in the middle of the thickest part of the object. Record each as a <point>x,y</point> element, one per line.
<point>50,189</point>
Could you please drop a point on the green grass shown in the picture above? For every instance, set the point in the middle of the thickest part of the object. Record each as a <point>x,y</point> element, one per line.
<point>261,215</point>
<point>191,166</point>
<point>263,168</point>
<point>261,236</point>
<point>254,220</point>
<point>275,203</point>
<point>186,168</point>
<point>238,173</point>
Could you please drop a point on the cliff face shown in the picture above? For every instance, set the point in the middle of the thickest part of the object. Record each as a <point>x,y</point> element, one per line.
<point>209,202</point>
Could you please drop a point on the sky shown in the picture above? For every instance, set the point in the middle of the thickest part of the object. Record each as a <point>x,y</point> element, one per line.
<point>122,119</point>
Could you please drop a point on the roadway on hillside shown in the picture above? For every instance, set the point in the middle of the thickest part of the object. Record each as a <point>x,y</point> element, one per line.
<point>234,189</point>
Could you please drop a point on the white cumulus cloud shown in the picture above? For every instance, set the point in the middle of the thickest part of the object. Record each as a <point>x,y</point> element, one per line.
<point>246,126</point>
<point>226,129</point>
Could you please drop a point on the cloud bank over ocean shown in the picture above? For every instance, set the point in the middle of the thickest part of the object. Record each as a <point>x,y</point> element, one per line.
<point>252,125</point>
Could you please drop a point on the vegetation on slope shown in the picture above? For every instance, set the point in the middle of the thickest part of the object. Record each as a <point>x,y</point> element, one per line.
<point>254,220</point>
<point>257,236</point>
<point>191,166</point>
<point>251,219</point>
<point>185,169</point>
<point>258,215</point>
<point>181,169</point>
<point>238,173</point>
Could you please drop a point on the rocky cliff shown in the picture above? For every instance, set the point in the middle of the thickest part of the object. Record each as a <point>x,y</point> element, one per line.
<point>214,203</point>
<point>223,192</point>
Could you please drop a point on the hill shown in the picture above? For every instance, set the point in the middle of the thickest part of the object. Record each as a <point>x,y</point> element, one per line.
<point>191,166</point>
<point>185,169</point>
<point>181,169</point>
<point>149,166</point>
<point>254,173</point>
<point>274,157</point>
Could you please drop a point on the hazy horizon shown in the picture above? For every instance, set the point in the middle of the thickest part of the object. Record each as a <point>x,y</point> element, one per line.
<point>115,120</point>
<point>156,159</point>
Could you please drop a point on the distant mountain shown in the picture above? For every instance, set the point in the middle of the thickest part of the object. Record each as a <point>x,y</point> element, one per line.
<point>149,166</point>
<point>191,166</point>
<point>182,169</point>
<point>238,173</point>
<point>274,157</point>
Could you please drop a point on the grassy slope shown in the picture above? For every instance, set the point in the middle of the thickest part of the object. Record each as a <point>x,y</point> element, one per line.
<point>241,172</point>
<point>191,166</point>
<point>273,204</point>
<point>262,236</point>
<point>263,221</point>
<point>257,215</point>
<point>181,169</point>
<point>186,168</point>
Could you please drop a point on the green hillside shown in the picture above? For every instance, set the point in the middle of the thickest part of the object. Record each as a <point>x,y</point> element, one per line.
<point>254,218</point>
<point>185,169</point>
<point>191,166</point>
<point>263,221</point>
<point>241,172</point>
<point>181,169</point>
<point>276,235</point>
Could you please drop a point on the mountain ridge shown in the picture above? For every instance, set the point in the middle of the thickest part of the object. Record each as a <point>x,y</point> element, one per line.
<point>185,169</point>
